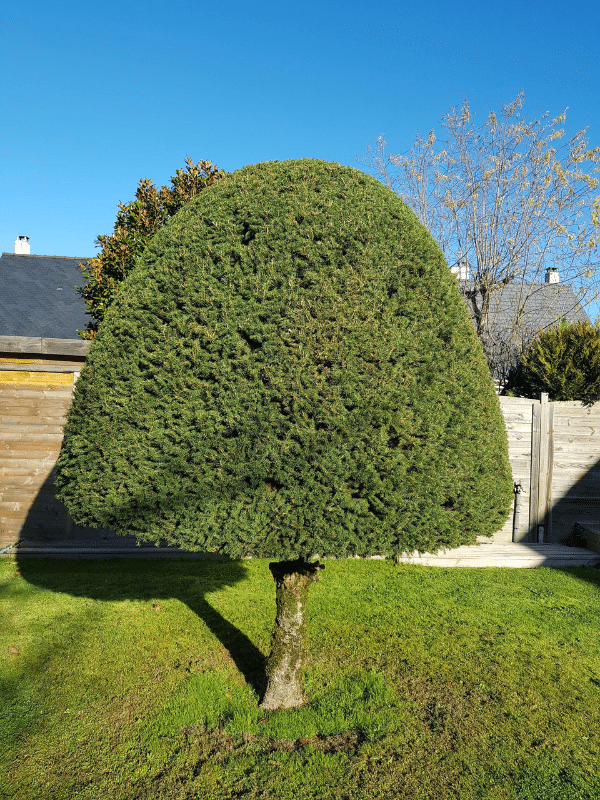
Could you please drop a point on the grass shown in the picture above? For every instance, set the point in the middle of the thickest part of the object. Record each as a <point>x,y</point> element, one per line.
<point>139,679</point>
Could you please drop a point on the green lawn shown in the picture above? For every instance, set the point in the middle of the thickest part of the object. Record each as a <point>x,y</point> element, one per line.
<point>138,679</point>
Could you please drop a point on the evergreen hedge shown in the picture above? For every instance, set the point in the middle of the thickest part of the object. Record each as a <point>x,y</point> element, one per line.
<point>289,370</point>
<point>564,362</point>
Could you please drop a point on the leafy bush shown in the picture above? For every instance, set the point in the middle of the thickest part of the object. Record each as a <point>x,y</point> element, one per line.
<point>564,362</point>
<point>289,370</point>
<point>136,224</point>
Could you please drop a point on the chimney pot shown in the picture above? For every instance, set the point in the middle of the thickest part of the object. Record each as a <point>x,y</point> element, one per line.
<point>22,247</point>
<point>462,271</point>
<point>552,275</point>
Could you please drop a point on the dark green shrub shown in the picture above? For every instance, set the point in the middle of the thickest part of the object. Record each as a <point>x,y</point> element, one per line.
<point>289,370</point>
<point>564,362</point>
<point>136,224</point>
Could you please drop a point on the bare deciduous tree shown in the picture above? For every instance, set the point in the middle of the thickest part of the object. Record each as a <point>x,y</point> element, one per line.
<point>506,200</point>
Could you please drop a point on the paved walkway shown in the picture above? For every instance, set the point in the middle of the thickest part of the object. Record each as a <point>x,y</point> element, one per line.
<point>106,544</point>
<point>509,555</point>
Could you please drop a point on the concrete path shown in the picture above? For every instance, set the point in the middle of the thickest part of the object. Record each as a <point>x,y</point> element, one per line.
<point>483,555</point>
<point>508,555</point>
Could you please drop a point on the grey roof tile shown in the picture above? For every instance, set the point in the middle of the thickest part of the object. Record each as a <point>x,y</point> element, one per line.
<point>518,313</point>
<point>38,296</point>
<point>543,305</point>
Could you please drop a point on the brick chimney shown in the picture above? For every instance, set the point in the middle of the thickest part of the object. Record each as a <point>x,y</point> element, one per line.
<point>552,275</point>
<point>22,246</point>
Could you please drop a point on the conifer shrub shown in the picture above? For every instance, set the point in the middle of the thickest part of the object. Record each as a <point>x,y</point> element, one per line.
<point>564,362</point>
<point>289,370</point>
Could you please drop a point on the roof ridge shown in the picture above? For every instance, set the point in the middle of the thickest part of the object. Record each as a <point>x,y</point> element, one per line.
<point>33,255</point>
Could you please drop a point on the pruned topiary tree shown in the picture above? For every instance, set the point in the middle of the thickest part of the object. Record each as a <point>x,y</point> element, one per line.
<point>563,361</point>
<point>289,373</point>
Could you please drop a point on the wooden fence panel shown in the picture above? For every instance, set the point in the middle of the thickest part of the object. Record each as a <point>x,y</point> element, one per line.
<point>32,416</point>
<point>518,419</point>
<point>554,451</point>
<point>576,480</point>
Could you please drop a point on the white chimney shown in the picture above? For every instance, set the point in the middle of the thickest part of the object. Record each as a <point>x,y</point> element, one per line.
<point>552,275</point>
<point>22,245</point>
<point>461,272</point>
<point>461,268</point>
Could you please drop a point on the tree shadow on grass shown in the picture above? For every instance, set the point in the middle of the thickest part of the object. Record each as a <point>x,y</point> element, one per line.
<point>188,580</point>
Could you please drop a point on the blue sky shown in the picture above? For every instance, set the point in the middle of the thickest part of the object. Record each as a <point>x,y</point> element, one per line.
<point>96,98</point>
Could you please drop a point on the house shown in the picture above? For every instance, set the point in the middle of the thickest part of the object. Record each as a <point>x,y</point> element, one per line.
<point>41,310</point>
<point>518,312</point>
<point>41,356</point>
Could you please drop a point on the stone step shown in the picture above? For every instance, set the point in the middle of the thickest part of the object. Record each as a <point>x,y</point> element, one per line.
<point>507,555</point>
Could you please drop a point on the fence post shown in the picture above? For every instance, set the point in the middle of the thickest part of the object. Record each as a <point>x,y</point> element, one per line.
<point>542,456</point>
<point>549,470</point>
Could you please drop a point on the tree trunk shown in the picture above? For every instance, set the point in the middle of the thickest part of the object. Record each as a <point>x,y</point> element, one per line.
<point>284,665</point>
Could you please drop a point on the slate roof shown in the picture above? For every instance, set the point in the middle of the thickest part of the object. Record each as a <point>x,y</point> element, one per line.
<point>38,296</point>
<point>545,304</point>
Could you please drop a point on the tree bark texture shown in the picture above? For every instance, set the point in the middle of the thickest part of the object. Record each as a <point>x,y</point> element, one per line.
<point>285,663</point>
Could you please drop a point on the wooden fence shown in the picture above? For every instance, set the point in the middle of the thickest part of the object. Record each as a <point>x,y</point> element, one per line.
<point>554,451</point>
<point>33,408</point>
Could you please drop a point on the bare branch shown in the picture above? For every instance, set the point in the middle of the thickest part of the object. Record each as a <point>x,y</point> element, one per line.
<point>505,201</point>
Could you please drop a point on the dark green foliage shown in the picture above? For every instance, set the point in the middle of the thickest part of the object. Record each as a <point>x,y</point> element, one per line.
<point>289,370</point>
<point>136,224</point>
<point>564,362</point>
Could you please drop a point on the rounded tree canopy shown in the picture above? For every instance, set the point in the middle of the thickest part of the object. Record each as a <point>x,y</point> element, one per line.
<point>289,370</point>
